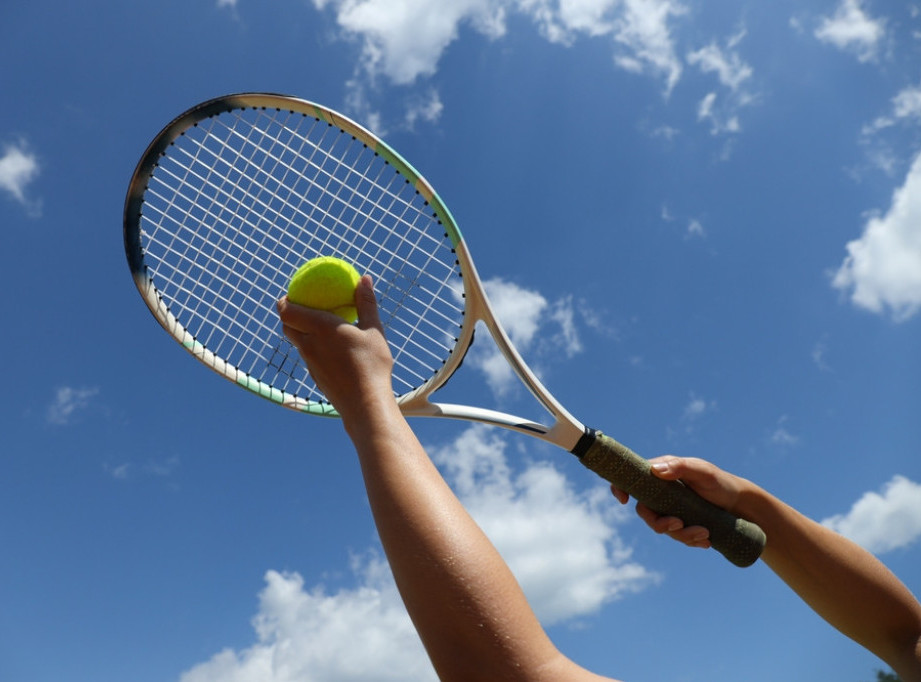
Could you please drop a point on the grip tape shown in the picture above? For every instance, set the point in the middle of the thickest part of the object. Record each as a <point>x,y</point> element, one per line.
<point>738,540</point>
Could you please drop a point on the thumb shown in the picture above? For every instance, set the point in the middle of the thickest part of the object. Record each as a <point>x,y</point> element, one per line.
<point>366,304</point>
<point>706,479</point>
<point>668,467</point>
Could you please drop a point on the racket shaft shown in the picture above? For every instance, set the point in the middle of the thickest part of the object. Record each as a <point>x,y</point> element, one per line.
<point>738,540</point>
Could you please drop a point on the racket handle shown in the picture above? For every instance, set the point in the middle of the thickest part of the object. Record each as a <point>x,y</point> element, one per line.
<point>738,540</point>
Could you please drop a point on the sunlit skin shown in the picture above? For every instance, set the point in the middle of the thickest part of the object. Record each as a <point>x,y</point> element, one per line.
<point>466,605</point>
<point>845,584</point>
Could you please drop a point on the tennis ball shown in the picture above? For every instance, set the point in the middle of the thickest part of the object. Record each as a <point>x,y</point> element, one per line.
<point>326,283</point>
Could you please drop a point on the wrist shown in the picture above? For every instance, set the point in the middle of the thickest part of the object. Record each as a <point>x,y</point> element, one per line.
<point>752,502</point>
<point>369,414</point>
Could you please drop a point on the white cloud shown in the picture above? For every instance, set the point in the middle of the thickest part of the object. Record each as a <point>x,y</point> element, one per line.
<point>67,402</point>
<point>883,268</point>
<point>639,28</point>
<point>562,545</point>
<point>518,309</point>
<point>883,521</point>
<point>18,168</point>
<point>404,40</point>
<point>850,28</point>
<point>310,636</point>
<point>527,317</point>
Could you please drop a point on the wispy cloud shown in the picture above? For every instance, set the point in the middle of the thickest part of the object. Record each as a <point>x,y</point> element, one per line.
<point>782,435</point>
<point>696,408</point>
<point>882,269</point>
<point>427,107</point>
<point>819,351</point>
<point>119,471</point>
<point>692,416</point>
<point>733,73</point>
<point>726,63</point>
<point>694,227</point>
<point>67,403</point>
<point>161,468</point>
<point>850,28</point>
<point>885,520</point>
<point>906,107</point>
<point>882,136</point>
<point>562,545</point>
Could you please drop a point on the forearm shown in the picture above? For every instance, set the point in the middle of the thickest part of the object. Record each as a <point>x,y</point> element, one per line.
<point>466,605</point>
<point>841,581</point>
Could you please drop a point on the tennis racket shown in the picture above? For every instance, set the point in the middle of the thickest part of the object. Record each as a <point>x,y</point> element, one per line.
<point>234,194</point>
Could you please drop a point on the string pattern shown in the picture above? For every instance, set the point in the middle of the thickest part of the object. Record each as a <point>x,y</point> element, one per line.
<point>244,197</point>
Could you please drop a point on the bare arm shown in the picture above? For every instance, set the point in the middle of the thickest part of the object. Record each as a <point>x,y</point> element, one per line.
<point>845,584</point>
<point>466,605</point>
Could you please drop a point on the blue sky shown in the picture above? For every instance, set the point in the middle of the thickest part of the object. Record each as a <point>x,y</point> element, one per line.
<point>700,221</point>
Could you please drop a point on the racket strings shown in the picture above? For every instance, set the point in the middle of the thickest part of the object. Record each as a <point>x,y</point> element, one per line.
<point>239,201</point>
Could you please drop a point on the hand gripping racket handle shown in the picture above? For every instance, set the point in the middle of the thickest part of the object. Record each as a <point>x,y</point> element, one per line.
<point>738,540</point>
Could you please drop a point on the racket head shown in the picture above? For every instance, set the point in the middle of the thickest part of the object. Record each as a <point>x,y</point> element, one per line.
<point>237,192</point>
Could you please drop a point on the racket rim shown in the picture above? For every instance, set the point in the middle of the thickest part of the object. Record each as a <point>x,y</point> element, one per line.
<point>159,308</point>
<point>567,432</point>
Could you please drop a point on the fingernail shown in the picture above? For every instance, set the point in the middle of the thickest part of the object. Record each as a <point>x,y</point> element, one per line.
<point>660,467</point>
<point>675,524</point>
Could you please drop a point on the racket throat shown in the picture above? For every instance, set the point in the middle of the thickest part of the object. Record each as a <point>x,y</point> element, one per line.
<point>562,434</point>
<point>584,443</point>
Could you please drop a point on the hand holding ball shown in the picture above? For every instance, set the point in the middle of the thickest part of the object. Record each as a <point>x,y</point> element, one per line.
<point>326,283</point>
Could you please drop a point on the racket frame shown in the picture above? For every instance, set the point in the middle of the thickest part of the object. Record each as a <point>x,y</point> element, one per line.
<point>740,541</point>
<point>565,432</point>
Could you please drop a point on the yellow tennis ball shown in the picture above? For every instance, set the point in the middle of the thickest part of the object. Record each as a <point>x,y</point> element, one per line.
<point>326,283</point>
